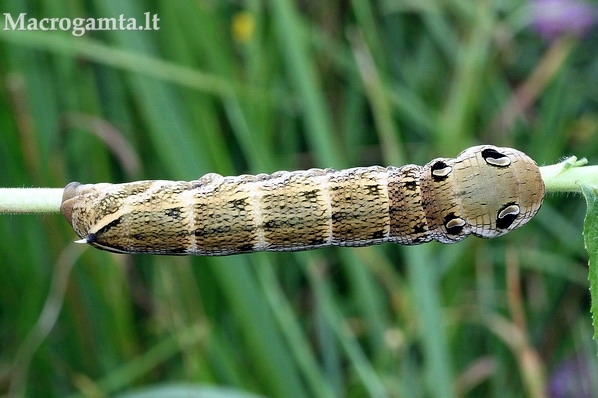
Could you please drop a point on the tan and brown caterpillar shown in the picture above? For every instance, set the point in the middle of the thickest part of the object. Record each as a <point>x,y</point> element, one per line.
<point>485,191</point>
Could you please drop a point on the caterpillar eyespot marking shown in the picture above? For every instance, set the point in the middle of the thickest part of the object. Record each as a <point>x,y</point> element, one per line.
<point>440,170</point>
<point>493,157</point>
<point>485,191</point>
<point>507,215</point>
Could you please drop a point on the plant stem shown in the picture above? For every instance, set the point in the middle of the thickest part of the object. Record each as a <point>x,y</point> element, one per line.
<point>567,175</point>
<point>30,200</point>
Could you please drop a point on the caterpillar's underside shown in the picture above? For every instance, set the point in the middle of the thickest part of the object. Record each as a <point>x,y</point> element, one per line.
<point>486,191</point>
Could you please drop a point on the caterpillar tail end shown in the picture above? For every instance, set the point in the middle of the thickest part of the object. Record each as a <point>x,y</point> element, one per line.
<point>69,197</point>
<point>88,239</point>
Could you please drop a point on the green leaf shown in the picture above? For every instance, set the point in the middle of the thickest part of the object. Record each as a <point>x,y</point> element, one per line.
<point>590,235</point>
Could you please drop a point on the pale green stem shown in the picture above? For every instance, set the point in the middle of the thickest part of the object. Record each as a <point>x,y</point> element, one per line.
<point>561,177</point>
<point>567,175</point>
<point>30,200</point>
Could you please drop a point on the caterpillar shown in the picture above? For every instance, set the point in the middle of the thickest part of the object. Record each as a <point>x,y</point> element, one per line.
<point>485,191</point>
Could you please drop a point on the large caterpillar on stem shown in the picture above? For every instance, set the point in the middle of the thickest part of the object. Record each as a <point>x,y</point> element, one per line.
<point>485,191</point>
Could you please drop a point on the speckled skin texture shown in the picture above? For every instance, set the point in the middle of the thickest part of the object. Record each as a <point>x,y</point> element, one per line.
<point>486,191</point>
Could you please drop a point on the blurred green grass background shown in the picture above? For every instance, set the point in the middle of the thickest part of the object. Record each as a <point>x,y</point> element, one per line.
<point>257,86</point>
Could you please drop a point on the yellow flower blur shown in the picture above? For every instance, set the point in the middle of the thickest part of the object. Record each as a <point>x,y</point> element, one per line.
<point>243,26</point>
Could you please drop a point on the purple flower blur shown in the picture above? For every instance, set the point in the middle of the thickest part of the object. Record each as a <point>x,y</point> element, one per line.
<point>555,18</point>
<point>571,378</point>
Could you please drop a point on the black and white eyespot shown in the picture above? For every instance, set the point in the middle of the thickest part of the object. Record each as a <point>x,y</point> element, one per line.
<point>440,170</point>
<point>454,225</point>
<point>495,158</point>
<point>507,215</point>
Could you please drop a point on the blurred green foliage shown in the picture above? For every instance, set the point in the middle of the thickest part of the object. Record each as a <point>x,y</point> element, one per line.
<point>252,86</point>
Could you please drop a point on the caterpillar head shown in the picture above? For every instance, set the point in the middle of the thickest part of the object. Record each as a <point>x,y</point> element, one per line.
<point>486,191</point>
